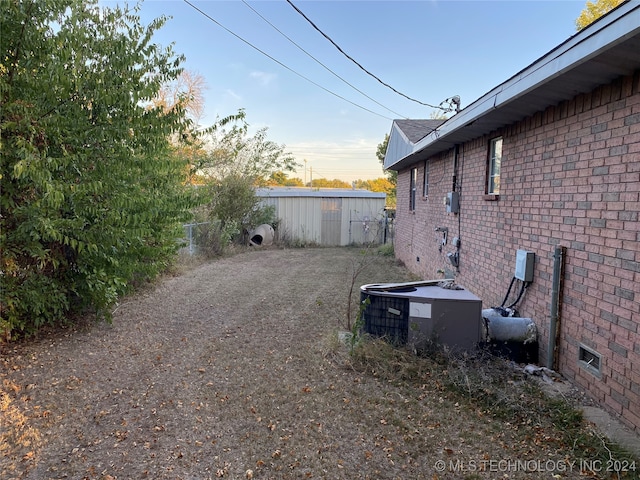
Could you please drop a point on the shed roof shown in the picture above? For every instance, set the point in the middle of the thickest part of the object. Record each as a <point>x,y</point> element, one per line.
<point>598,54</point>
<point>275,192</point>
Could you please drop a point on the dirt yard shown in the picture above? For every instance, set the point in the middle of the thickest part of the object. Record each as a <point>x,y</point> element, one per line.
<point>234,370</point>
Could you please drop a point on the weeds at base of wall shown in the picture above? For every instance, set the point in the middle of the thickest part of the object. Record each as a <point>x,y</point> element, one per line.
<point>495,387</point>
<point>285,239</point>
<point>386,250</point>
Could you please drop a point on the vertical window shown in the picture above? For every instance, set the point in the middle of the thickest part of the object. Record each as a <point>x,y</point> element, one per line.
<point>495,159</point>
<point>425,187</point>
<point>412,189</point>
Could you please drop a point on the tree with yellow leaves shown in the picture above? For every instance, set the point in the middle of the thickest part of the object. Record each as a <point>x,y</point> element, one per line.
<point>594,10</point>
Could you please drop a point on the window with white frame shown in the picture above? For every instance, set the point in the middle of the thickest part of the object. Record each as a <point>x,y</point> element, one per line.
<point>412,189</point>
<point>493,171</point>
<point>425,186</point>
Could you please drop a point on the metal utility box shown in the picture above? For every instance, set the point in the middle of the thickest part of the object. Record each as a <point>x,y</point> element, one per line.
<point>423,315</point>
<point>452,202</point>
<point>524,265</point>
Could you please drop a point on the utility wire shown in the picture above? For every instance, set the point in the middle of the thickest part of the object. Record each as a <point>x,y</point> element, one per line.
<point>354,61</point>
<point>319,62</point>
<point>279,62</point>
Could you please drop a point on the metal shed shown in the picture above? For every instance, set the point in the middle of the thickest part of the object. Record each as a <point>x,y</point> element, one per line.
<point>327,216</point>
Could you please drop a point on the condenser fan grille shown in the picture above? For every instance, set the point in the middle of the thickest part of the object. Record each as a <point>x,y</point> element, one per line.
<point>386,317</point>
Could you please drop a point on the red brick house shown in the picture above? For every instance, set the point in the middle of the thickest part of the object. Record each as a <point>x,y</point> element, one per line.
<point>546,162</point>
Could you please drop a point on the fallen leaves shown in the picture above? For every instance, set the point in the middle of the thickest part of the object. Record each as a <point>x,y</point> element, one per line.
<point>20,438</point>
<point>273,404</point>
<point>28,456</point>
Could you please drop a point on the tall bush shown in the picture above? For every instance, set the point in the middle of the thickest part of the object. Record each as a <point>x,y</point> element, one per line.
<point>92,194</point>
<point>235,209</point>
<point>232,165</point>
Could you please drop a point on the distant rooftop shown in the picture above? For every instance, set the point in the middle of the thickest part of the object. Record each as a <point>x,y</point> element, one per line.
<point>317,192</point>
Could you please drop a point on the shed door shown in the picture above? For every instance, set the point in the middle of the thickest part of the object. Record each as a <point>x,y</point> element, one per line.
<point>331,221</point>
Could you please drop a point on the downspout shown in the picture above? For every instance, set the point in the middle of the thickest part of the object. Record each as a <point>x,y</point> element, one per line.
<point>554,330</point>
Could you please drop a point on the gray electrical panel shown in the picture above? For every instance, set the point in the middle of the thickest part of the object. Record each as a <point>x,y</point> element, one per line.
<point>524,265</point>
<point>452,201</point>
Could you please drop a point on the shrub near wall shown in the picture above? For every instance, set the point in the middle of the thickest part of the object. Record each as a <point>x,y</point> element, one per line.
<point>92,196</point>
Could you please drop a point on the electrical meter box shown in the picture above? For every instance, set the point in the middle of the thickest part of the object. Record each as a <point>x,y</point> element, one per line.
<point>452,201</point>
<point>524,265</point>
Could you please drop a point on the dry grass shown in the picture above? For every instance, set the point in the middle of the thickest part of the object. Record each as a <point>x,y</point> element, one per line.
<point>234,369</point>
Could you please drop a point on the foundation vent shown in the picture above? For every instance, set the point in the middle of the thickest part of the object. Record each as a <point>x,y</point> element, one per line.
<point>589,359</point>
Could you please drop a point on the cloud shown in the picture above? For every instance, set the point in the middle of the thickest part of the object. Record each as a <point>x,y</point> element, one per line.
<point>233,94</point>
<point>263,77</point>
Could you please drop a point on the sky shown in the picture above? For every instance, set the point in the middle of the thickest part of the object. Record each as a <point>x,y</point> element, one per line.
<point>328,111</point>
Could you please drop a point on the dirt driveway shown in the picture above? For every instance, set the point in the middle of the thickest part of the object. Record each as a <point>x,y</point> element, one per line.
<point>233,370</point>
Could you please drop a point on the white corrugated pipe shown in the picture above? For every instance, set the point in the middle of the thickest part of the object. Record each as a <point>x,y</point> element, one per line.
<point>262,236</point>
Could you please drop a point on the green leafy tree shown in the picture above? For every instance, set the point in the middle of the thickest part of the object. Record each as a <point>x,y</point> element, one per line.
<point>234,163</point>
<point>294,182</point>
<point>233,206</point>
<point>594,10</point>
<point>232,150</point>
<point>381,184</point>
<point>277,178</point>
<point>93,194</point>
<point>391,174</point>
<point>381,151</point>
<point>325,183</point>
<point>282,179</point>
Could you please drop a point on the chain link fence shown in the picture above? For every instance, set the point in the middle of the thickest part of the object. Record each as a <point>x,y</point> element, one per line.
<point>192,234</point>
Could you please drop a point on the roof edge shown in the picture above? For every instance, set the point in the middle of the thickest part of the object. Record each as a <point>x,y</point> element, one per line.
<point>576,50</point>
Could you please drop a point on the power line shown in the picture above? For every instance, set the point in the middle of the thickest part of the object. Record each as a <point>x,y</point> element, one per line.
<point>336,148</point>
<point>319,62</point>
<point>331,172</point>
<point>313,148</point>
<point>332,156</point>
<point>360,66</point>
<point>206,15</point>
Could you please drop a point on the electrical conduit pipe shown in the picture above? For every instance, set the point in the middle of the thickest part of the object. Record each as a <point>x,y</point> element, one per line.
<point>558,262</point>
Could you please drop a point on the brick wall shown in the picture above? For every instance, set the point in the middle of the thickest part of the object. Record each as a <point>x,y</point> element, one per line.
<point>570,176</point>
